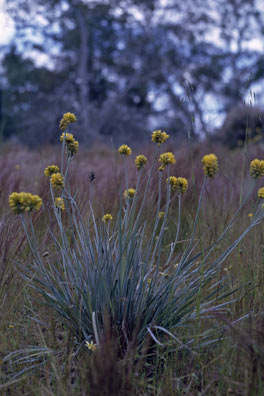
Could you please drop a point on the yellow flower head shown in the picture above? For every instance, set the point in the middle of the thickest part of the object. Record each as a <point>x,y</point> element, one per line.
<point>178,183</point>
<point>24,202</point>
<point>57,180</point>
<point>140,161</point>
<point>250,215</point>
<point>210,165</point>
<point>50,170</point>
<point>107,217</point>
<point>90,345</point>
<point>181,184</point>
<point>130,193</point>
<point>159,137</point>
<point>161,215</point>
<point>172,180</point>
<point>72,145</point>
<point>261,192</point>
<point>59,203</point>
<point>73,148</point>
<point>256,168</point>
<point>66,120</point>
<point>166,159</point>
<point>68,137</point>
<point>125,150</point>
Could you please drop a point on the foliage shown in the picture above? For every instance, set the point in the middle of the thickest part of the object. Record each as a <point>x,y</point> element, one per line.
<point>242,125</point>
<point>128,66</point>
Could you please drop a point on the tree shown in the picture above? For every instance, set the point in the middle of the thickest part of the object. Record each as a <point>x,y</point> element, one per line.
<point>126,66</point>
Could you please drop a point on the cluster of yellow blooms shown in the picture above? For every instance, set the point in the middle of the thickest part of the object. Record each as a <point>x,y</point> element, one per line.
<point>67,119</point>
<point>178,184</point>
<point>261,192</point>
<point>24,202</point>
<point>159,137</point>
<point>166,159</point>
<point>129,193</point>
<point>107,217</point>
<point>256,168</point>
<point>50,170</point>
<point>140,161</point>
<point>72,145</point>
<point>161,215</point>
<point>57,180</point>
<point>210,165</point>
<point>125,150</point>
<point>59,203</point>
<point>172,182</point>
<point>182,184</point>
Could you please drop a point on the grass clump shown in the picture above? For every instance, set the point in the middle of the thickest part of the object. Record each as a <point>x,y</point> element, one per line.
<point>121,288</point>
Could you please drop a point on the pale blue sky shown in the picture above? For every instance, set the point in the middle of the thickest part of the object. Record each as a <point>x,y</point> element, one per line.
<point>6,25</point>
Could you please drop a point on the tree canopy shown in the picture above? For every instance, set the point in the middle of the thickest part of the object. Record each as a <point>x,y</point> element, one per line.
<point>126,67</point>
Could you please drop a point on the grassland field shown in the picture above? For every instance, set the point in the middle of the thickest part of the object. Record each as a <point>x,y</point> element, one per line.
<point>232,365</point>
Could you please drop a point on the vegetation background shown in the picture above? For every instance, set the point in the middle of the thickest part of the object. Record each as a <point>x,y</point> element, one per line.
<point>127,67</point>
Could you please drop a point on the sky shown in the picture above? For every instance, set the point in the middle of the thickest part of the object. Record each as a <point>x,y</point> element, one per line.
<point>6,25</point>
<point>7,29</point>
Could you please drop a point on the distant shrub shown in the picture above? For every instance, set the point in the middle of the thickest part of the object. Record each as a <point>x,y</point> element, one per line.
<point>242,122</point>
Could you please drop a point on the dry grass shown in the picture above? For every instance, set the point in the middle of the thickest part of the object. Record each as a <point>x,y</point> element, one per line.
<point>234,366</point>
